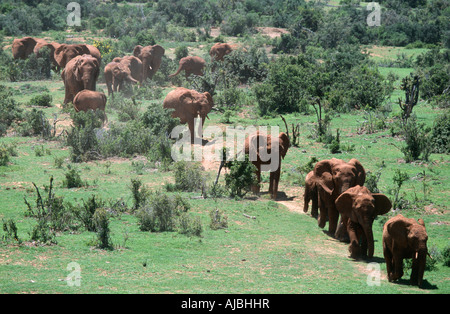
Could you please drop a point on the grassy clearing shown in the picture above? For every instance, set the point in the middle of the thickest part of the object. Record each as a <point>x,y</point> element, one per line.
<point>281,251</point>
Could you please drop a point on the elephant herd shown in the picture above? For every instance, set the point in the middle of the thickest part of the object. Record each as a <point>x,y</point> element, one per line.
<point>335,187</point>
<point>80,65</point>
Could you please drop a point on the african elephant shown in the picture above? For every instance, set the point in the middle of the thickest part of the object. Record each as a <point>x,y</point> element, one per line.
<point>64,53</point>
<point>267,150</point>
<point>115,75</point>
<point>190,65</point>
<point>80,73</point>
<point>311,195</point>
<point>52,47</point>
<point>219,50</point>
<point>359,208</point>
<point>332,177</point>
<point>405,238</point>
<point>188,105</point>
<point>134,64</point>
<point>151,57</point>
<point>87,99</point>
<point>23,47</point>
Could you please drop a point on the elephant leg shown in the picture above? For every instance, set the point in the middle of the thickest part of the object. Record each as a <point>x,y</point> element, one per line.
<point>191,125</point>
<point>322,213</point>
<point>398,266</point>
<point>256,187</point>
<point>315,205</point>
<point>333,217</point>
<point>353,248</point>
<point>273,187</point>
<point>341,232</point>
<point>388,259</point>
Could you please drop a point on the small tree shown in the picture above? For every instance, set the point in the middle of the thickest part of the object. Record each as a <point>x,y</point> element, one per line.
<point>411,87</point>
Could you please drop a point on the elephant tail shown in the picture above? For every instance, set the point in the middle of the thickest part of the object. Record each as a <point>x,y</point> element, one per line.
<point>176,73</point>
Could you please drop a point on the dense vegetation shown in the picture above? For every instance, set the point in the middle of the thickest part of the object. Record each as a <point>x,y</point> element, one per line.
<point>344,89</point>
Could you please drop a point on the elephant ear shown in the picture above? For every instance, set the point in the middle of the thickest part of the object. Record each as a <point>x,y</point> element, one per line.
<point>398,229</point>
<point>360,171</point>
<point>284,144</point>
<point>382,203</point>
<point>137,51</point>
<point>322,171</point>
<point>157,51</point>
<point>344,204</point>
<point>210,101</point>
<point>59,55</point>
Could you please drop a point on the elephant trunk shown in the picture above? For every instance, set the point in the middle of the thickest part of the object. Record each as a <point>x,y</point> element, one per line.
<point>419,263</point>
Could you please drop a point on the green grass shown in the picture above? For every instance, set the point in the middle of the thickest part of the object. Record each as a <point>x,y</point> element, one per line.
<point>281,251</point>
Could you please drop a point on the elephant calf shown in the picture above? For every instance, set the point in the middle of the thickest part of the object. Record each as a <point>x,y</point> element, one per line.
<point>275,148</point>
<point>87,99</point>
<point>405,238</point>
<point>359,208</point>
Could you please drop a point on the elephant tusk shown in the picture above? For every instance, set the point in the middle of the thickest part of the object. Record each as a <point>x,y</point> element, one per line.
<point>207,117</point>
<point>417,253</point>
<point>428,253</point>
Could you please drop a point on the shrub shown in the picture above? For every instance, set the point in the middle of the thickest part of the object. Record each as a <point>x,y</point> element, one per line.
<point>73,178</point>
<point>417,141</point>
<point>36,123</point>
<point>101,222</point>
<point>188,176</point>
<point>52,214</point>
<point>85,212</point>
<point>10,228</point>
<point>160,212</point>
<point>9,109</point>
<point>82,137</point>
<point>440,136</point>
<point>44,100</point>
<point>190,225</point>
<point>140,193</point>
<point>240,177</point>
<point>219,220</point>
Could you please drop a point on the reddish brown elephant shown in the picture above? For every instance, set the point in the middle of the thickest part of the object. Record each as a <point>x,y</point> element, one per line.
<point>80,73</point>
<point>405,238</point>
<point>23,47</point>
<point>90,100</point>
<point>219,50</point>
<point>189,104</point>
<point>115,75</point>
<point>267,151</point>
<point>64,53</point>
<point>311,195</point>
<point>190,65</point>
<point>52,47</point>
<point>151,57</point>
<point>134,64</point>
<point>332,177</point>
<point>359,208</point>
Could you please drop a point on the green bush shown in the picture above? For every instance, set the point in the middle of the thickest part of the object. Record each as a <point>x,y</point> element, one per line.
<point>73,178</point>
<point>161,212</point>
<point>9,109</point>
<point>36,123</point>
<point>417,141</point>
<point>86,211</point>
<point>44,100</point>
<point>440,136</point>
<point>189,176</point>
<point>240,178</point>
<point>101,222</point>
